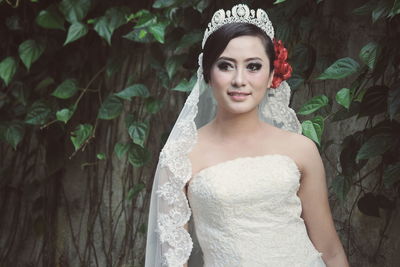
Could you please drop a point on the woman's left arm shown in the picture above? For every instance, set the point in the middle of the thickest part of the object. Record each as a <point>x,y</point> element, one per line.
<point>316,212</point>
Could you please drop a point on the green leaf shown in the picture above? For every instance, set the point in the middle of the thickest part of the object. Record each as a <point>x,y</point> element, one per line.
<point>39,113</point>
<point>20,92</point>
<point>101,27</point>
<point>43,84</point>
<point>341,186</point>
<point>395,9</point>
<point>145,18</point>
<point>114,18</point>
<point>158,31</point>
<point>375,146</point>
<point>139,35</point>
<point>135,190</point>
<point>8,67</point>
<point>343,97</point>
<point>111,108</point>
<point>138,156</point>
<point>64,114</point>
<point>138,132</point>
<point>164,3</point>
<point>139,90</point>
<point>12,132</point>
<point>66,89</point>
<point>101,156</point>
<point>391,175</point>
<point>188,40</point>
<point>314,104</point>
<point>50,18</point>
<point>313,129</point>
<point>81,134</point>
<point>278,1</point>
<point>394,100</point>
<point>340,69</point>
<point>366,9</point>
<point>185,85</point>
<point>304,59</point>
<point>30,51</point>
<point>173,63</point>
<point>76,31</point>
<point>142,34</point>
<point>153,105</point>
<point>295,81</point>
<point>369,54</point>
<point>74,10</point>
<point>120,149</point>
<point>381,10</point>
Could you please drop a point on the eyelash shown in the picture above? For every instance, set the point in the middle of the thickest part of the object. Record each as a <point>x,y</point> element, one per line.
<point>254,66</point>
<point>224,66</point>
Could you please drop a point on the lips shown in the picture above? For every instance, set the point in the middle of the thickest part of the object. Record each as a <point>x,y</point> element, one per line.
<point>238,96</point>
<point>238,93</point>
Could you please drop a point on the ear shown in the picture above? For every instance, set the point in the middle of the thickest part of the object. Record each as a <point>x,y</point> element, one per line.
<point>270,78</point>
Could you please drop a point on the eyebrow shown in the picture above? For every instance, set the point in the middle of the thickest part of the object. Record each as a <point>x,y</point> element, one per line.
<point>234,60</point>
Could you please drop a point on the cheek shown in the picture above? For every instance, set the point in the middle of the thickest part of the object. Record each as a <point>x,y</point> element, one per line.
<point>259,80</point>
<point>219,79</point>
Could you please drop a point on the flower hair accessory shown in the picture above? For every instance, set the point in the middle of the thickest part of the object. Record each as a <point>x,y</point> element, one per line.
<point>283,70</point>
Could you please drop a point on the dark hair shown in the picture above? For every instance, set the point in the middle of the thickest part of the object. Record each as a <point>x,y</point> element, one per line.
<point>218,40</point>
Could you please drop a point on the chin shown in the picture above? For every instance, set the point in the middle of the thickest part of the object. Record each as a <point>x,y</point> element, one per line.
<point>239,109</point>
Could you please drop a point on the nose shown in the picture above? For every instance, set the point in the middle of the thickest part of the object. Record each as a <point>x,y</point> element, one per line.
<point>238,80</point>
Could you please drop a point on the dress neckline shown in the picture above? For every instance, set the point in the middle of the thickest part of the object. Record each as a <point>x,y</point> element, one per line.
<point>242,158</point>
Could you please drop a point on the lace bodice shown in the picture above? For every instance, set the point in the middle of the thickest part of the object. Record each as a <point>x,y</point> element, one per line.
<point>247,213</point>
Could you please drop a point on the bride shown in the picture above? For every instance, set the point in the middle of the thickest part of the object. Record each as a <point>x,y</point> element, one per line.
<point>236,183</point>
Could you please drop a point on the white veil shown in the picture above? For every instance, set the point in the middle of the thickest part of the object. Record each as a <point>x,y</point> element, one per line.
<point>168,242</point>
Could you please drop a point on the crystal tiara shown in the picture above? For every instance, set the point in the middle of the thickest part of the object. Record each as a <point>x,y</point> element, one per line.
<point>240,13</point>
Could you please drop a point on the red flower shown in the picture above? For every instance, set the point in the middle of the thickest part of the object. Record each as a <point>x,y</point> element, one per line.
<point>283,70</point>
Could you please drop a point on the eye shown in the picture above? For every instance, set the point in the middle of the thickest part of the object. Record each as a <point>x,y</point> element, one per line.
<point>254,66</point>
<point>224,65</point>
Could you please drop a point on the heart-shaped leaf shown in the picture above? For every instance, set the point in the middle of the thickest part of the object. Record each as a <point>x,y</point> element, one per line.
<point>139,90</point>
<point>81,134</point>
<point>8,67</point>
<point>76,31</point>
<point>313,105</point>
<point>66,89</point>
<point>313,128</point>
<point>340,69</point>
<point>138,132</point>
<point>111,108</point>
<point>343,97</point>
<point>341,186</point>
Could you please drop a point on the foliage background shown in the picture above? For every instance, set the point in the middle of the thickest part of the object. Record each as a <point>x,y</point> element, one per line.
<point>90,89</point>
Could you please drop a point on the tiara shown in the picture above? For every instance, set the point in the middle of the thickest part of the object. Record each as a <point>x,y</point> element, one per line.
<point>239,14</point>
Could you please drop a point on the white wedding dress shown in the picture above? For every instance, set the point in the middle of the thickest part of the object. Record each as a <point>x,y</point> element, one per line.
<point>247,213</point>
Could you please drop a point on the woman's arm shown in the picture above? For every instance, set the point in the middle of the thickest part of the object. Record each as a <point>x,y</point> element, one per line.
<point>316,213</point>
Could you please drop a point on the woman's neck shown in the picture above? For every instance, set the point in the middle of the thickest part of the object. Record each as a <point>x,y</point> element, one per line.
<point>236,126</point>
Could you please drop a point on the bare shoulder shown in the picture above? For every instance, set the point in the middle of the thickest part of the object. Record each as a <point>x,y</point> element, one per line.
<point>303,150</point>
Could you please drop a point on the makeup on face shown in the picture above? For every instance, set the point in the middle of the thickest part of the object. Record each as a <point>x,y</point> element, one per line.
<point>240,76</point>
<point>251,64</point>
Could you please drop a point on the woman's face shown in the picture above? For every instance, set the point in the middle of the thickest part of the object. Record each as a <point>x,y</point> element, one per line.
<point>241,75</point>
